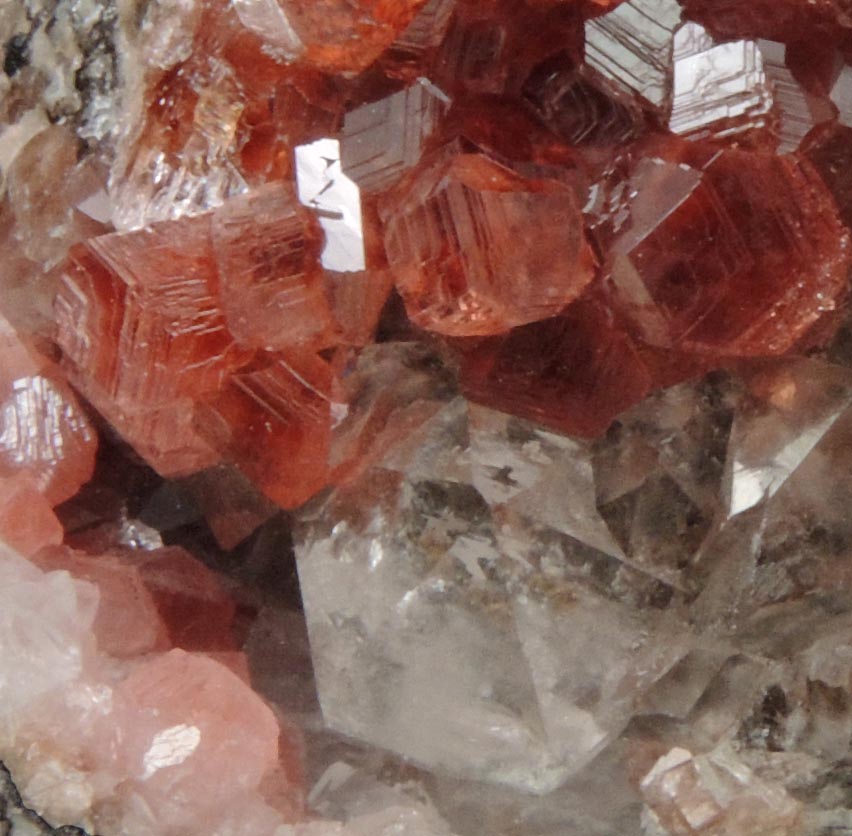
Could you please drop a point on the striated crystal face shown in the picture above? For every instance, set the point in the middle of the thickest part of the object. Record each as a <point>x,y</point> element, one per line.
<point>630,48</point>
<point>266,253</point>
<point>734,219</point>
<point>459,257</point>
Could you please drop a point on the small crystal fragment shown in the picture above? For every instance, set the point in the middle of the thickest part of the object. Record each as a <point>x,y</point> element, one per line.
<point>715,794</point>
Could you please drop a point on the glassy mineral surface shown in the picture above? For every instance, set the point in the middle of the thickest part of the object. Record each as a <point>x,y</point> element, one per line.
<point>425,418</point>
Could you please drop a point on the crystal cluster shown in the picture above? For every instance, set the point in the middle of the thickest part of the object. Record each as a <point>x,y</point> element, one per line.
<point>426,417</point>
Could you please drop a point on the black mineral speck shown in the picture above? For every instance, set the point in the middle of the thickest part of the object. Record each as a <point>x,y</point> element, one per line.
<point>15,55</point>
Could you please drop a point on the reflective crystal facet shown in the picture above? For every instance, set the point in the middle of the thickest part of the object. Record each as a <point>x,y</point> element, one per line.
<point>458,257</point>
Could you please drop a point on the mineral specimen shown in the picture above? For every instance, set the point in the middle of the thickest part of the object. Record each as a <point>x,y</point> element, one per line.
<point>425,418</point>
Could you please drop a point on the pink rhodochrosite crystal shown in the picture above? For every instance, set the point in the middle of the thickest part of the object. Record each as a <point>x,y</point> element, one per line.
<point>476,249</point>
<point>127,623</point>
<point>267,254</point>
<point>426,417</point>
<point>143,336</point>
<point>44,432</point>
<point>186,728</point>
<point>27,522</point>
<point>167,740</point>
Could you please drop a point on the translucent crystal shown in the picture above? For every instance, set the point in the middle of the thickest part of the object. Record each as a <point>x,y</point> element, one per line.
<point>384,139</point>
<point>458,550</point>
<point>45,435</point>
<point>144,335</point>
<point>27,522</point>
<point>631,48</point>
<point>800,403</point>
<point>743,214</point>
<point>574,373</point>
<point>267,257</point>
<point>340,35</point>
<point>458,260</point>
<point>724,83</point>
<point>739,87</point>
<point>713,794</point>
<point>407,55</point>
<point>273,421</point>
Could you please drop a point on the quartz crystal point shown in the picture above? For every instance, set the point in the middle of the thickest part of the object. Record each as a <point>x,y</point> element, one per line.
<point>476,568</point>
<point>795,406</point>
<point>517,328</point>
<point>462,263</point>
<point>742,217</point>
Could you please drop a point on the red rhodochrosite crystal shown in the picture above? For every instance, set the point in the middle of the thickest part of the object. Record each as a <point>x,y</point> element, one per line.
<point>127,623</point>
<point>144,335</point>
<point>476,249</point>
<point>738,257</point>
<point>574,372</point>
<point>766,19</point>
<point>343,35</point>
<point>196,610</point>
<point>273,421</point>
<point>497,352</point>
<point>187,727</point>
<point>267,252</point>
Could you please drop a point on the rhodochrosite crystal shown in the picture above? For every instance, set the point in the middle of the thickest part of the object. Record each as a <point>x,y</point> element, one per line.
<point>426,417</point>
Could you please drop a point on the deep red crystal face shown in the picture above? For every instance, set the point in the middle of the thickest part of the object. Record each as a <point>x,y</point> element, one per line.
<point>273,420</point>
<point>739,257</point>
<point>574,372</point>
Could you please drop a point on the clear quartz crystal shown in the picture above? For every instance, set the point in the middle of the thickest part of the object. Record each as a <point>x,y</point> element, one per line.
<point>464,607</point>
